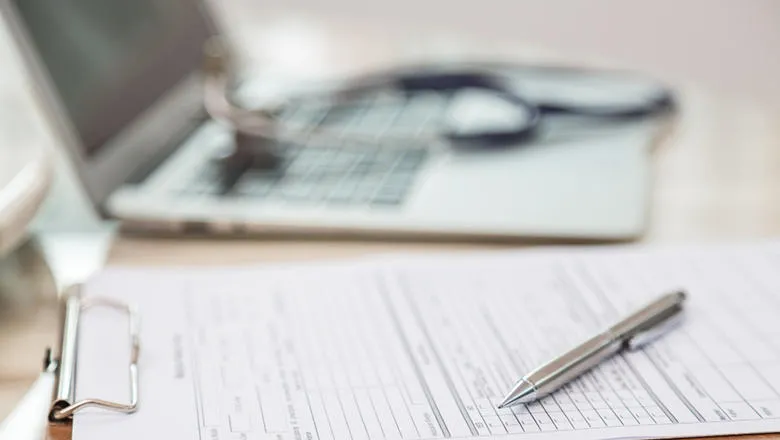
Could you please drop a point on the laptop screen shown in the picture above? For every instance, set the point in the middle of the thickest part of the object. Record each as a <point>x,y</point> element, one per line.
<point>112,59</point>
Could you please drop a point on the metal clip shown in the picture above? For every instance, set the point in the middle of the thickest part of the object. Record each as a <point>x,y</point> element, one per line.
<point>63,407</point>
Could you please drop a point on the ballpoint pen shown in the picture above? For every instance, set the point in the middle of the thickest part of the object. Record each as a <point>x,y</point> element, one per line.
<point>634,331</point>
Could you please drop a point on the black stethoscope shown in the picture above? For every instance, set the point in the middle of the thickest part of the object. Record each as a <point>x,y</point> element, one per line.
<point>533,93</point>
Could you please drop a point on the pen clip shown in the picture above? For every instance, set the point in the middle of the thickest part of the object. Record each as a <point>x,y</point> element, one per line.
<point>649,335</point>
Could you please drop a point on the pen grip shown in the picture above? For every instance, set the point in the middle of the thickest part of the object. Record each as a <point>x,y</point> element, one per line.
<point>573,363</point>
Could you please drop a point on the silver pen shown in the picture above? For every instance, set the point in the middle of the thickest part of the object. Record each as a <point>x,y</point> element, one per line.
<point>636,330</point>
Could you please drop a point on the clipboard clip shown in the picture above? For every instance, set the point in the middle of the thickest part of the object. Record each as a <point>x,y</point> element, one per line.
<point>63,364</point>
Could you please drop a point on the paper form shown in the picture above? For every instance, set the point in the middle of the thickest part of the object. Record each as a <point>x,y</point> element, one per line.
<point>425,347</point>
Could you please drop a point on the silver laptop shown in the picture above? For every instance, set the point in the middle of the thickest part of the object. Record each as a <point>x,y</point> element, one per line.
<point>120,83</point>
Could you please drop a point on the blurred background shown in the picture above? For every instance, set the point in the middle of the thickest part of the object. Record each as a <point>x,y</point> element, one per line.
<point>715,44</point>
<point>715,177</point>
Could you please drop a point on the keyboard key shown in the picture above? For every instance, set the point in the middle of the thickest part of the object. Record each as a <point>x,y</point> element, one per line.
<point>421,111</point>
<point>415,153</point>
<point>364,166</point>
<point>402,179</point>
<point>325,172</point>
<point>317,155</point>
<point>294,191</point>
<point>378,118</point>
<point>300,167</point>
<point>343,192</point>
<point>410,161</point>
<point>304,117</point>
<point>386,157</point>
<point>254,189</point>
<point>389,196</point>
<point>364,192</point>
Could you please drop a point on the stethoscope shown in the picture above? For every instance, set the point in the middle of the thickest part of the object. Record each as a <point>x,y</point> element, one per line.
<point>555,91</point>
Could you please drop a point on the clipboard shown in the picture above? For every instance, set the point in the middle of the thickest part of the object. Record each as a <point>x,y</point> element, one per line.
<point>62,362</point>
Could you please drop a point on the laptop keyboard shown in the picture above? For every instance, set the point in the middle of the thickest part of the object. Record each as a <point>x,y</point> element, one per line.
<point>340,175</point>
<point>336,175</point>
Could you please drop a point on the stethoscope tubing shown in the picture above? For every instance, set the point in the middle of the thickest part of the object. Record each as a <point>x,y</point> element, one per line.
<point>263,123</point>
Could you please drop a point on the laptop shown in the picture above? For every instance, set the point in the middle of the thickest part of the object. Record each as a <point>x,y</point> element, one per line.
<point>120,83</point>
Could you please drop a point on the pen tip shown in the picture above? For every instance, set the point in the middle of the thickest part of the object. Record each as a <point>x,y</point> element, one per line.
<point>523,392</point>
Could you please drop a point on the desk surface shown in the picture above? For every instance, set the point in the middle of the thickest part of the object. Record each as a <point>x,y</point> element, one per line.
<point>716,178</point>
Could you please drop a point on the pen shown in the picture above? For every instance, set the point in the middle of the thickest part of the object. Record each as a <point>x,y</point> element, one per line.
<point>632,332</point>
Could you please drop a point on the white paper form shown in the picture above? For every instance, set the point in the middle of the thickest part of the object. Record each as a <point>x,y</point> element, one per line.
<point>425,347</point>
